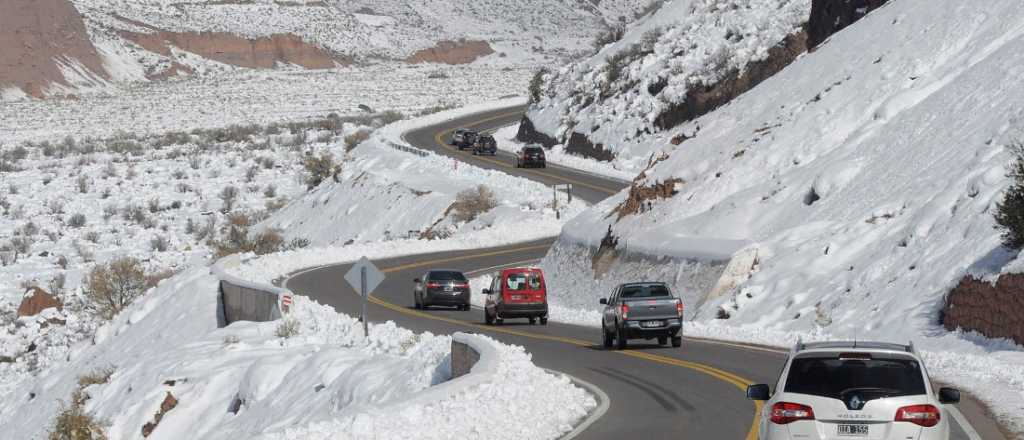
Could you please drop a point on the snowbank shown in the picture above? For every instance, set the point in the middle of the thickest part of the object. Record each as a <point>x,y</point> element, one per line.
<point>328,380</point>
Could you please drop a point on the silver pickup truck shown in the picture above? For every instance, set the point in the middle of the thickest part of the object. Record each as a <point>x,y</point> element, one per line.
<point>642,311</point>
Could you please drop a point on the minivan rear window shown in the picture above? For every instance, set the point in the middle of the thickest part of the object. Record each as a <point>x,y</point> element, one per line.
<point>523,281</point>
<point>840,378</point>
<point>444,275</point>
<point>652,291</point>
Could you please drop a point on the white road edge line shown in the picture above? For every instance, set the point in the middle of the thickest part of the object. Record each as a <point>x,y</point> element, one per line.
<point>963,422</point>
<point>603,402</point>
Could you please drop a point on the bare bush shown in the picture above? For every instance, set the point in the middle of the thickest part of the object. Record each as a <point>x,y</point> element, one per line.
<point>83,251</point>
<point>287,328</point>
<point>96,377</point>
<point>228,195</point>
<point>73,422</point>
<point>135,214</point>
<point>388,117</point>
<point>109,211</point>
<point>353,140</point>
<point>320,168</point>
<point>276,204</point>
<point>77,220</point>
<point>270,192</point>
<point>112,287</point>
<point>267,162</point>
<point>251,173</point>
<point>105,194</point>
<point>92,236</point>
<point>159,243</point>
<point>609,36</point>
<point>83,184</point>
<point>195,162</point>
<point>56,206</point>
<point>537,84</point>
<point>153,205</point>
<point>110,170</point>
<point>470,203</point>
<point>56,284</point>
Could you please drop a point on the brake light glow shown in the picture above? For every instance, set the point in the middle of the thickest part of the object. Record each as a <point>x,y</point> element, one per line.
<point>433,285</point>
<point>679,307</point>
<point>625,311</point>
<point>462,286</point>
<point>784,413</point>
<point>921,415</point>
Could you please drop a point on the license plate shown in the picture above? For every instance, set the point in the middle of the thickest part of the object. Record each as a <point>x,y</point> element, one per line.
<point>652,324</point>
<point>448,288</point>
<point>853,430</point>
<point>518,297</point>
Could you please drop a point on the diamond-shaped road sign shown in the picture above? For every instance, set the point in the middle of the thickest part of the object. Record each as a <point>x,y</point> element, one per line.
<point>355,276</point>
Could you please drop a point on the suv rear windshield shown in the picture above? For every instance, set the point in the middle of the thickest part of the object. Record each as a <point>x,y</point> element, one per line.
<point>444,275</point>
<point>652,291</point>
<point>523,281</point>
<point>533,149</point>
<point>839,378</point>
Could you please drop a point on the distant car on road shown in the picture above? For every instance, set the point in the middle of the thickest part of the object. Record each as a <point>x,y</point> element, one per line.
<point>517,293</point>
<point>531,156</point>
<point>448,288</point>
<point>854,390</point>
<point>642,311</point>
<point>463,138</point>
<point>485,144</point>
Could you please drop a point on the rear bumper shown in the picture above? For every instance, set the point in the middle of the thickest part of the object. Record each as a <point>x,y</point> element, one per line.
<point>522,310</point>
<point>672,327</point>
<point>442,298</point>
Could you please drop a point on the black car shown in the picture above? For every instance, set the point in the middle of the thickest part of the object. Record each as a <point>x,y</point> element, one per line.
<point>463,138</point>
<point>448,288</point>
<point>485,144</point>
<point>531,156</point>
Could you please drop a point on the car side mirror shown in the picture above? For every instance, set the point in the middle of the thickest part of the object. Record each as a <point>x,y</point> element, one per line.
<point>486,291</point>
<point>949,395</point>
<point>758,392</point>
<point>417,280</point>
<point>604,301</point>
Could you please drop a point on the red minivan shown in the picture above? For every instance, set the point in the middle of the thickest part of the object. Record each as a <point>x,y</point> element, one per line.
<point>517,293</point>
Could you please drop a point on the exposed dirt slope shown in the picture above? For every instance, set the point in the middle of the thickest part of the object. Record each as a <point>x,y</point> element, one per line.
<point>452,52</point>
<point>259,53</point>
<point>37,35</point>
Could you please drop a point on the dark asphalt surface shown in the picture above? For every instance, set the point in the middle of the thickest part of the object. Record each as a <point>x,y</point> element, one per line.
<point>694,392</point>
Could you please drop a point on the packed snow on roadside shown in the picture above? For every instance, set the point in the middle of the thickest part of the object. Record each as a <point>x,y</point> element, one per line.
<point>864,175</point>
<point>326,381</point>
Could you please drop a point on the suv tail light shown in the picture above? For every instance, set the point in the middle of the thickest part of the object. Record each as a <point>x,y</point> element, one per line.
<point>434,285</point>
<point>625,311</point>
<point>679,307</point>
<point>462,286</point>
<point>921,415</point>
<point>785,412</point>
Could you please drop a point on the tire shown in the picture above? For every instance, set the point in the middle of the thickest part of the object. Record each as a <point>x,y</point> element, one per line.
<point>677,341</point>
<point>662,340</point>
<point>620,339</point>
<point>488,319</point>
<point>543,320</point>
<point>609,339</point>
<point>416,301</point>
<point>533,321</point>
<point>498,321</point>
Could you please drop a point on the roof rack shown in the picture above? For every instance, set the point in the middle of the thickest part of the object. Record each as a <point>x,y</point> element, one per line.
<point>801,346</point>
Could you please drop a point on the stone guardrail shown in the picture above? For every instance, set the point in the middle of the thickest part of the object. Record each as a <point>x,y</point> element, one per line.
<point>995,310</point>
<point>242,300</point>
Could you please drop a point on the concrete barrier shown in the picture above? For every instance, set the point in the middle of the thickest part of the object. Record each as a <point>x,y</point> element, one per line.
<point>242,300</point>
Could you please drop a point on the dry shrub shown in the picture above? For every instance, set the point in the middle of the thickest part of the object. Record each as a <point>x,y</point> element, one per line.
<point>353,140</point>
<point>470,203</point>
<point>112,287</point>
<point>288,328</point>
<point>320,168</point>
<point>73,422</point>
<point>96,377</point>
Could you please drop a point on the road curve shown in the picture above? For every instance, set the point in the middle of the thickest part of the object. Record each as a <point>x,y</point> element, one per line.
<point>695,392</point>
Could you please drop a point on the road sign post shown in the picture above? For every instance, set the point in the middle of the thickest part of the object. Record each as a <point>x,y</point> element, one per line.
<point>364,277</point>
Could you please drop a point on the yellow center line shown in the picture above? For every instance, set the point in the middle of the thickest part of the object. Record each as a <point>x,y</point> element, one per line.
<point>725,376</point>
<point>439,138</point>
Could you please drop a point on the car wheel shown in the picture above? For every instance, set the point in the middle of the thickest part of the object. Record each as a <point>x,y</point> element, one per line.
<point>677,341</point>
<point>498,321</point>
<point>533,321</point>
<point>662,340</point>
<point>620,339</point>
<point>543,320</point>
<point>608,337</point>
<point>488,319</point>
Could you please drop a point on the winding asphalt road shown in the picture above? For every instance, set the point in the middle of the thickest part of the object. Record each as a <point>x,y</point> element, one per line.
<point>696,392</point>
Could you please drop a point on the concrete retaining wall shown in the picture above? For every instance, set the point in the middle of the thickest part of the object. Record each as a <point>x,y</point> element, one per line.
<point>242,300</point>
<point>994,310</point>
<point>464,357</point>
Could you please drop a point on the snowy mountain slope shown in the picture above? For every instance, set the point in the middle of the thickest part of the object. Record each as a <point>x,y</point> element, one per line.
<point>684,58</point>
<point>865,174</point>
<point>244,381</point>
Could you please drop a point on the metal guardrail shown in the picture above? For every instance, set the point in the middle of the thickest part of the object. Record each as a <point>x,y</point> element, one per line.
<point>242,300</point>
<point>409,149</point>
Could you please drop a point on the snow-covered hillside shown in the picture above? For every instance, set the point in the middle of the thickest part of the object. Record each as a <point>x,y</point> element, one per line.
<point>864,175</point>
<point>665,67</point>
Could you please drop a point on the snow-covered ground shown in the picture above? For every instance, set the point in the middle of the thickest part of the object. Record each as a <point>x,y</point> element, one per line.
<point>615,97</point>
<point>864,176</point>
<point>326,381</point>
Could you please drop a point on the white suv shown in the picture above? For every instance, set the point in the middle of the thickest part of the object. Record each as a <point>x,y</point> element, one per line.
<point>853,390</point>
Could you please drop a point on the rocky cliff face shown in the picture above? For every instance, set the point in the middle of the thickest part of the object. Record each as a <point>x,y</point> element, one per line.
<point>994,310</point>
<point>452,52</point>
<point>36,37</point>
<point>830,16</point>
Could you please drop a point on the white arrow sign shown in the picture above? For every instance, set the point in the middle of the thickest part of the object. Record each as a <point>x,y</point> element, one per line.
<point>373,276</point>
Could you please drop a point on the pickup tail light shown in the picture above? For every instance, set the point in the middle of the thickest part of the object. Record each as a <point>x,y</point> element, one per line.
<point>625,311</point>
<point>784,413</point>
<point>679,308</point>
<point>921,415</point>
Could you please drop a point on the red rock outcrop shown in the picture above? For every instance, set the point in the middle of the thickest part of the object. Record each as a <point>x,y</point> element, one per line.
<point>452,52</point>
<point>996,311</point>
<point>258,53</point>
<point>34,36</point>
<point>36,300</point>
